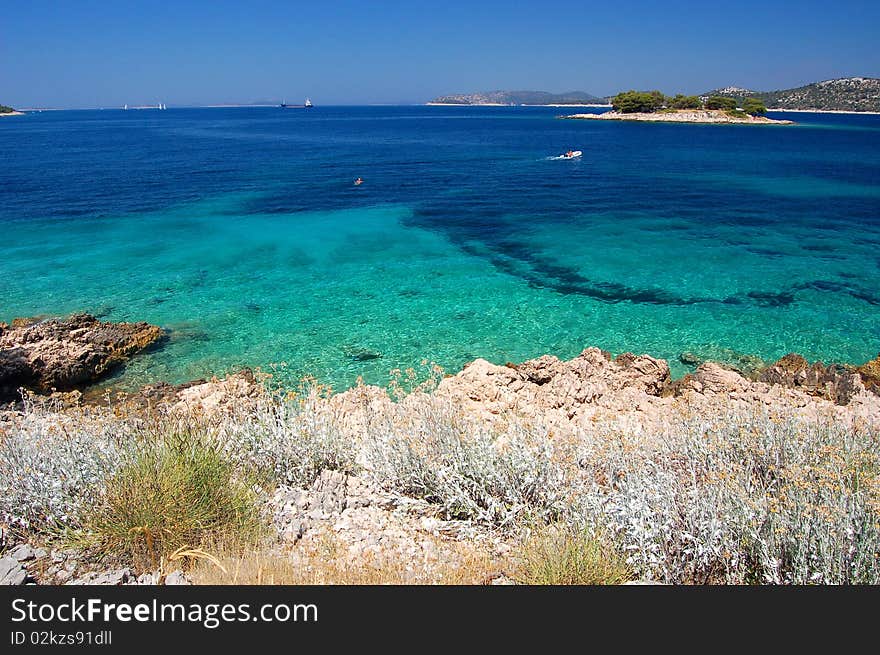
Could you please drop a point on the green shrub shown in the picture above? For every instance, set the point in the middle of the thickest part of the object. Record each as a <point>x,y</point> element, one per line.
<point>720,102</point>
<point>685,102</point>
<point>563,555</point>
<point>177,492</point>
<point>754,106</point>
<point>6,110</point>
<point>629,102</point>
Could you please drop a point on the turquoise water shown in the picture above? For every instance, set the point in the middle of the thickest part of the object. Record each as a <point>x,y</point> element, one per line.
<point>239,230</point>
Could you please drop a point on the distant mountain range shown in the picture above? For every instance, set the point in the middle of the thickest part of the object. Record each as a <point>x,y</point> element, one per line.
<point>520,98</point>
<point>845,94</point>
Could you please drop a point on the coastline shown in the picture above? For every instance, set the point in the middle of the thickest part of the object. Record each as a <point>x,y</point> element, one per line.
<point>702,117</point>
<point>468,104</point>
<point>577,105</point>
<point>826,111</point>
<point>13,113</point>
<point>376,476</point>
<point>503,104</point>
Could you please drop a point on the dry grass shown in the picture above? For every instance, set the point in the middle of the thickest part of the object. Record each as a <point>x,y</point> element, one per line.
<point>563,555</point>
<point>330,564</point>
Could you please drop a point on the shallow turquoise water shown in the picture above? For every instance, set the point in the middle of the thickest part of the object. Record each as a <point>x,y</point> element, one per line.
<point>240,231</point>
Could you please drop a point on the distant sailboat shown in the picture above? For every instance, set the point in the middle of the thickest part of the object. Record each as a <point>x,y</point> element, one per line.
<point>308,103</point>
<point>125,106</point>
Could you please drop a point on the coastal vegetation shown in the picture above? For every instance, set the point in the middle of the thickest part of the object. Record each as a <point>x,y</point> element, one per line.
<point>754,107</point>
<point>169,493</point>
<point>566,555</point>
<point>6,110</point>
<point>680,101</point>
<point>631,102</point>
<point>720,102</point>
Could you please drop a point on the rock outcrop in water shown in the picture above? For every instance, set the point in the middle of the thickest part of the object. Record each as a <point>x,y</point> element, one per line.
<point>64,354</point>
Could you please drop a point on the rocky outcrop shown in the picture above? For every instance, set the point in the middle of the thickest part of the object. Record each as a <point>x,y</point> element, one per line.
<point>870,374</point>
<point>555,391</point>
<point>835,382</point>
<point>636,393</point>
<point>63,354</point>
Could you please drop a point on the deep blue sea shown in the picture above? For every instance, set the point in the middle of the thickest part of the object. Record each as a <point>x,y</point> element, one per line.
<point>240,230</point>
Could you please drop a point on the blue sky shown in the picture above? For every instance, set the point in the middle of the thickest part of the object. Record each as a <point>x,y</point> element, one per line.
<point>92,53</point>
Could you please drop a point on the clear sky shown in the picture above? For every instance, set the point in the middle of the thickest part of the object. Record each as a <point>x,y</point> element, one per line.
<point>92,53</point>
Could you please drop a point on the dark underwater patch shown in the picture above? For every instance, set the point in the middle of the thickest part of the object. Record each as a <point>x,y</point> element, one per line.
<point>833,286</point>
<point>488,234</point>
<point>765,252</point>
<point>771,299</point>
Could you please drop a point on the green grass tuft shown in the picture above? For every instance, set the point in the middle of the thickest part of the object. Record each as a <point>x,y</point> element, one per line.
<point>173,493</point>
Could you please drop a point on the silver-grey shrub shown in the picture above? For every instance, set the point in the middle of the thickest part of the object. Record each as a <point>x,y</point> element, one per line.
<point>290,441</point>
<point>432,451</point>
<point>52,466</point>
<point>745,497</point>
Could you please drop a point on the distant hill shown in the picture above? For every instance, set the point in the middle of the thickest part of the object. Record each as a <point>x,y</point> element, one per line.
<point>845,94</point>
<point>520,98</point>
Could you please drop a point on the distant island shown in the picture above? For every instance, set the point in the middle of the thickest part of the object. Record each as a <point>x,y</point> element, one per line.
<point>849,94</point>
<point>654,106</point>
<point>520,98</point>
<point>8,111</point>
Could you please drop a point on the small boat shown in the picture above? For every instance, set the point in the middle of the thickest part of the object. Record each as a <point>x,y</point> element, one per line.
<point>308,103</point>
<point>571,154</point>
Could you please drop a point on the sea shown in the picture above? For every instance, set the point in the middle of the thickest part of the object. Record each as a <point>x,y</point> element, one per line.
<point>241,232</point>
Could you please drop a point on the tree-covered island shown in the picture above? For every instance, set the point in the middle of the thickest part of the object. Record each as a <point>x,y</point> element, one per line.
<point>657,107</point>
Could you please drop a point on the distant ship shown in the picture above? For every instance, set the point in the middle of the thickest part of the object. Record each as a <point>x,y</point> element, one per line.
<point>307,105</point>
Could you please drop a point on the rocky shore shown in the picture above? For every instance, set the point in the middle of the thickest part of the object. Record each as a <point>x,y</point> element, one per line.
<point>440,485</point>
<point>66,354</point>
<point>683,116</point>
